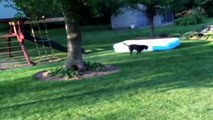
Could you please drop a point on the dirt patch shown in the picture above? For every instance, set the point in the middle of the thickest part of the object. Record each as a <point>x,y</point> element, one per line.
<point>43,75</point>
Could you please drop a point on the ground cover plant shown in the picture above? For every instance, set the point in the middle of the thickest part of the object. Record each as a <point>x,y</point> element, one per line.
<point>62,72</point>
<point>175,84</point>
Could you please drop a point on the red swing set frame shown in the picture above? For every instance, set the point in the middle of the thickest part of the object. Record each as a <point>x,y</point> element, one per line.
<point>15,31</point>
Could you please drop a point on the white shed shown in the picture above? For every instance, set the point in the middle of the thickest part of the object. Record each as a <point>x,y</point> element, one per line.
<point>129,17</point>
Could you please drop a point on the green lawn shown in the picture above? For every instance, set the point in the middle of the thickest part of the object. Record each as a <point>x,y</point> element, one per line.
<point>176,84</point>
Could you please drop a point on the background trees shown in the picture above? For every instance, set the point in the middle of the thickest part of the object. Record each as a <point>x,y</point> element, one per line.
<point>38,8</point>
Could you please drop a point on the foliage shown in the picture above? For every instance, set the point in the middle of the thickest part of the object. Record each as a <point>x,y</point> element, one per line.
<point>38,8</point>
<point>188,35</point>
<point>190,17</point>
<point>62,72</point>
<point>191,12</point>
<point>204,4</point>
<point>196,36</point>
<point>94,66</point>
<point>189,20</point>
<point>179,5</point>
<point>190,4</point>
<point>79,9</point>
<point>207,6</point>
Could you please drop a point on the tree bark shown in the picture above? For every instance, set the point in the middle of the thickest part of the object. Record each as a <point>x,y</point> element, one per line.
<point>150,13</point>
<point>74,57</point>
<point>151,23</point>
<point>70,11</point>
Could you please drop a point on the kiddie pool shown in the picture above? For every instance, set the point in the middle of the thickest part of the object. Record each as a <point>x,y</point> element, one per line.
<point>160,44</point>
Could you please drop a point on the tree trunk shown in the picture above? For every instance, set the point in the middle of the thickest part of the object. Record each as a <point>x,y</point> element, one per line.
<point>74,58</point>
<point>150,13</point>
<point>151,23</point>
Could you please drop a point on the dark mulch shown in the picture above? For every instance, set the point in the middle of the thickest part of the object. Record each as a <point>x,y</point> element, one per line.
<point>83,75</point>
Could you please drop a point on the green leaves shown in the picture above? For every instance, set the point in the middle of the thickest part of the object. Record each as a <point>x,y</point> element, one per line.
<point>76,8</point>
<point>62,72</point>
<point>94,66</point>
<point>38,8</point>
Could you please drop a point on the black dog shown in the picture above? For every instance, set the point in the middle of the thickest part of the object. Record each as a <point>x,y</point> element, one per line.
<point>138,48</point>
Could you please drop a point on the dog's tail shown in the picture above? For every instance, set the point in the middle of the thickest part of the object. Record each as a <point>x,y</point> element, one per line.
<point>125,44</point>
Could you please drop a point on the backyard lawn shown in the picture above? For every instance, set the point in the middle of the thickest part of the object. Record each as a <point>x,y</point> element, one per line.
<point>176,84</point>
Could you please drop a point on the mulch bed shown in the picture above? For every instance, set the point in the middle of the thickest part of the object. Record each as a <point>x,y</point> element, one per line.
<point>83,75</point>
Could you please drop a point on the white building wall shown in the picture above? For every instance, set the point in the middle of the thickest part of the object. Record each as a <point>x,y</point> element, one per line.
<point>128,16</point>
<point>141,20</point>
<point>158,20</point>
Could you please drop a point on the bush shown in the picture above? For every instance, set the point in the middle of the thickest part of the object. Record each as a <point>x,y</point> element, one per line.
<point>94,66</point>
<point>195,35</point>
<point>62,72</point>
<point>188,35</point>
<point>190,20</point>
<point>190,17</point>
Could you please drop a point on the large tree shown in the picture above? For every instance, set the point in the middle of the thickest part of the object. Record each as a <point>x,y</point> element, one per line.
<point>71,10</point>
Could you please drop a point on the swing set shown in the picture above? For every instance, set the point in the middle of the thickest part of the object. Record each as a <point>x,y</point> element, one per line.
<point>13,51</point>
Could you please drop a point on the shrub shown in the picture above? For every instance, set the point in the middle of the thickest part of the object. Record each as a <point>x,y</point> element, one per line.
<point>94,66</point>
<point>188,35</point>
<point>62,72</point>
<point>195,35</point>
<point>186,21</point>
<point>190,17</point>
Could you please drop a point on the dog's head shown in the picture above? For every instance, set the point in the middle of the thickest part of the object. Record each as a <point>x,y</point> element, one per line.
<point>146,47</point>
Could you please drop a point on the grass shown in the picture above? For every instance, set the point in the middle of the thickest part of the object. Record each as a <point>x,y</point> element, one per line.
<point>174,85</point>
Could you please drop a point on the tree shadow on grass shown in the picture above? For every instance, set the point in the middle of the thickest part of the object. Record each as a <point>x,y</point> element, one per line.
<point>95,49</point>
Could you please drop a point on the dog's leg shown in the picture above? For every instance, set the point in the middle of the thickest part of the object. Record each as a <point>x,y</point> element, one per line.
<point>131,52</point>
<point>137,52</point>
